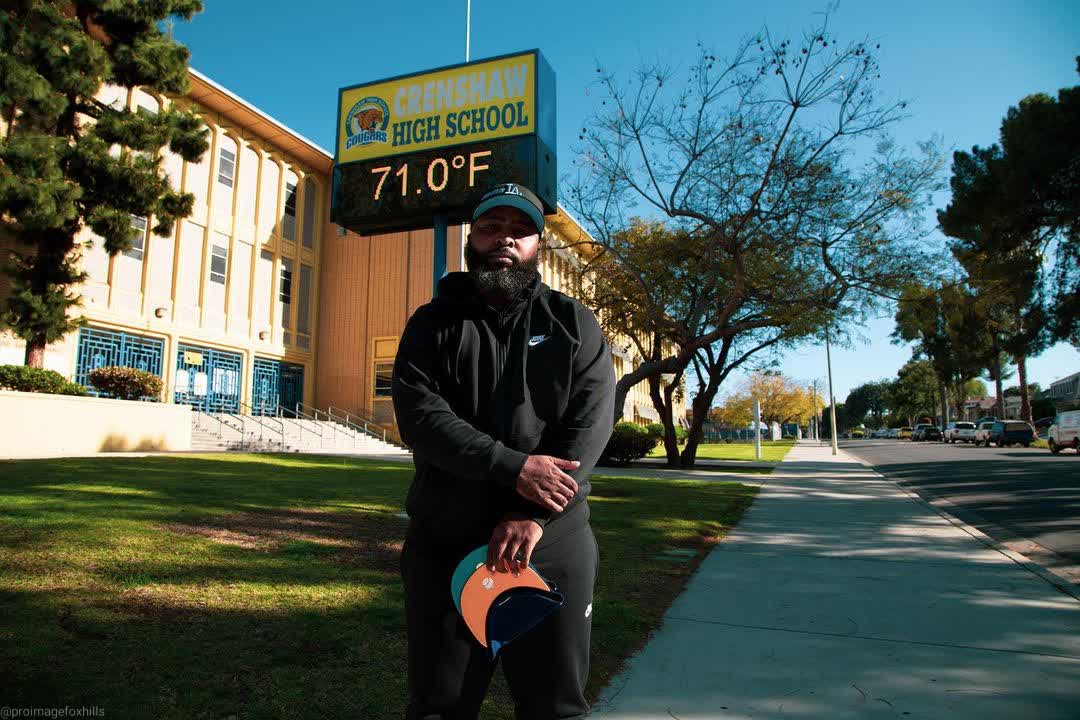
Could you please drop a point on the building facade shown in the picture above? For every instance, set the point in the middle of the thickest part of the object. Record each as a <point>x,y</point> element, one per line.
<point>256,302</point>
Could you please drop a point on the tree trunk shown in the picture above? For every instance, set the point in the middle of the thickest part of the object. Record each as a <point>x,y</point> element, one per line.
<point>671,444</point>
<point>1000,398</point>
<point>35,352</point>
<point>944,390</point>
<point>1025,401</point>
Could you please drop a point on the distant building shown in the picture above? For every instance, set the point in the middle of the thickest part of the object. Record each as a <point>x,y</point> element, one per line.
<point>1065,393</point>
<point>977,407</point>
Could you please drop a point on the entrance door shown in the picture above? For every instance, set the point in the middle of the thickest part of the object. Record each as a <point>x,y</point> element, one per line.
<point>277,384</point>
<point>207,379</point>
<point>292,384</point>
<point>264,390</point>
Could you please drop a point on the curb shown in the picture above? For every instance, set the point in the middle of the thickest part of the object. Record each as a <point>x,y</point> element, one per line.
<point>943,507</point>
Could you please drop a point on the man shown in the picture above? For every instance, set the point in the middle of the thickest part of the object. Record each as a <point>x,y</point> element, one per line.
<point>504,390</point>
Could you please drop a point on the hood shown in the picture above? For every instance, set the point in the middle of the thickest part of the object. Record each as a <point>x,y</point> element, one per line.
<point>458,289</point>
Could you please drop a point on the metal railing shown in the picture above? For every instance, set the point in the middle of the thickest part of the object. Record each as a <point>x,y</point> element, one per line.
<point>296,413</point>
<point>263,421</point>
<point>201,419</point>
<point>346,418</point>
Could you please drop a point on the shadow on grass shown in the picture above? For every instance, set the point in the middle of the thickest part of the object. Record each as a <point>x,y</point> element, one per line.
<point>262,586</point>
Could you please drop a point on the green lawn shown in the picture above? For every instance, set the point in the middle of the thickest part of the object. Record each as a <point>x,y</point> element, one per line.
<point>771,451</point>
<point>256,586</point>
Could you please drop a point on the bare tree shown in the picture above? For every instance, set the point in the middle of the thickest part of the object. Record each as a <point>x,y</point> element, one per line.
<point>772,231</point>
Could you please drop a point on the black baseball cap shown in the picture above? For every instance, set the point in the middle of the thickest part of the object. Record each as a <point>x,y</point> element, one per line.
<point>515,196</point>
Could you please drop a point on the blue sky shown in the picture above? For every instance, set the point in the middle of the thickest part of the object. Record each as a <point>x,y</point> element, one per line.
<point>960,65</point>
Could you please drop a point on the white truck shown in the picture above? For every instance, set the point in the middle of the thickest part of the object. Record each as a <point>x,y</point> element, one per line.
<point>960,431</point>
<point>1065,432</point>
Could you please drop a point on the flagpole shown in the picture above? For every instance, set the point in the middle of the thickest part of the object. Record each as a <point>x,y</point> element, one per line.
<point>468,26</point>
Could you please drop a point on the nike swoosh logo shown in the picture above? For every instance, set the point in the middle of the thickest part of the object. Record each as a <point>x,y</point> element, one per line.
<point>537,339</point>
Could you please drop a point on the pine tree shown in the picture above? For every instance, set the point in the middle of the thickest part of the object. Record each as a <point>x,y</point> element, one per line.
<point>68,160</point>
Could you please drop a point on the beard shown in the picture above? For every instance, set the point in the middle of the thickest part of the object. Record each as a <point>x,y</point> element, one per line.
<point>504,282</point>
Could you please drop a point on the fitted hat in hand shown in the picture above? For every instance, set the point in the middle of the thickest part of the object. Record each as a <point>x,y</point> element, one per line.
<point>500,607</point>
<point>515,196</point>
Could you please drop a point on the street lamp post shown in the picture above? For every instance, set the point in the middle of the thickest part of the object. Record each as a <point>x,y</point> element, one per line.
<point>832,400</point>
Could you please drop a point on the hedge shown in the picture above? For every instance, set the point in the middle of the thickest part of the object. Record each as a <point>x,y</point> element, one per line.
<point>37,380</point>
<point>628,442</point>
<point>126,383</point>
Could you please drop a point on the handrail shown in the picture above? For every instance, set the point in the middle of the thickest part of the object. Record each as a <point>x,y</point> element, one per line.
<point>299,414</point>
<point>199,415</point>
<point>349,423</point>
<point>333,424</point>
<point>261,423</point>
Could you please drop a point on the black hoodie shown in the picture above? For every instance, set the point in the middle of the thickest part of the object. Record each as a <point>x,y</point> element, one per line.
<point>476,390</point>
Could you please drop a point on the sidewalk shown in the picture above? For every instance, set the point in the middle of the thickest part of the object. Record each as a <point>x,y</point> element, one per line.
<point>840,595</point>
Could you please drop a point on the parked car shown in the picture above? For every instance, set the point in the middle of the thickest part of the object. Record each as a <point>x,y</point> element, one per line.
<point>959,431</point>
<point>916,434</point>
<point>894,433</point>
<point>982,432</point>
<point>1065,432</point>
<point>931,432</point>
<point>1011,432</point>
<point>904,433</point>
<point>1042,426</point>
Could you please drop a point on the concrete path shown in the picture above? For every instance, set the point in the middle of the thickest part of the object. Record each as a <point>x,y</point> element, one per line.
<point>840,595</point>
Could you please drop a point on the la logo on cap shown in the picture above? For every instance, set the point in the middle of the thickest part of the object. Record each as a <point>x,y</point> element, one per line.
<point>511,189</point>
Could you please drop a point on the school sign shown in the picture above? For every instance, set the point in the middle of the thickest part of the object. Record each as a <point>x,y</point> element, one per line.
<point>428,145</point>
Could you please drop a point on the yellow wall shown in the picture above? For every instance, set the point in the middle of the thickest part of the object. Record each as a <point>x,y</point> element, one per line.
<point>363,288</point>
<point>170,292</point>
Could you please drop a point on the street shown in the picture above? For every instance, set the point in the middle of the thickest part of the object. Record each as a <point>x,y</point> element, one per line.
<point>1027,499</point>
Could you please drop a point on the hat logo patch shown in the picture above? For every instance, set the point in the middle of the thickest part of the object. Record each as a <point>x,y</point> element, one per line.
<point>488,583</point>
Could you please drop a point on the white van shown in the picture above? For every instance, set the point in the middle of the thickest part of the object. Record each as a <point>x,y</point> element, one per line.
<point>1065,432</point>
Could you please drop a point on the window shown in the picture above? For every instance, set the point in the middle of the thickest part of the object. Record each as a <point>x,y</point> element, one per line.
<point>308,229</point>
<point>384,372</point>
<point>226,167</point>
<point>288,222</point>
<point>285,295</point>
<point>219,263</point>
<point>303,302</point>
<point>138,243</point>
<point>285,291</point>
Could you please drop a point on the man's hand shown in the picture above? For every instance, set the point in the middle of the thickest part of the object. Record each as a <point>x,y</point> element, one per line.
<point>543,481</point>
<point>515,533</point>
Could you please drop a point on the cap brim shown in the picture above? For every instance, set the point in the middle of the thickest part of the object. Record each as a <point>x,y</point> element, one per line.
<point>514,201</point>
<point>516,612</point>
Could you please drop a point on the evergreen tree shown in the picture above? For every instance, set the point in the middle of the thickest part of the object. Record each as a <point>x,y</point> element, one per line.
<point>68,160</point>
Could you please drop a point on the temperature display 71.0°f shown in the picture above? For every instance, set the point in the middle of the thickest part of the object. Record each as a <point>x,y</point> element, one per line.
<point>437,173</point>
<point>406,191</point>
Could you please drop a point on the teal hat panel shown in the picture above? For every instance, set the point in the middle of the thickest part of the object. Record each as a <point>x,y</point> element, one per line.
<point>464,571</point>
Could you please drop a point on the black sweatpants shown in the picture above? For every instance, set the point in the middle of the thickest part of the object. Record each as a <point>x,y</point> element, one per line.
<point>546,668</point>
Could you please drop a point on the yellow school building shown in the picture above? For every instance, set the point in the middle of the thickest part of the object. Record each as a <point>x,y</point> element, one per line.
<point>257,302</point>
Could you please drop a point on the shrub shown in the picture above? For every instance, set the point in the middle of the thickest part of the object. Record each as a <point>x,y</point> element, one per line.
<point>31,379</point>
<point>71,388</point>
<point>656,431</point>
<point>628,442</point>
<point>126,383</point>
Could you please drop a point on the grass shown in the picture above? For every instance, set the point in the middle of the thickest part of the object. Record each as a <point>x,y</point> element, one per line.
<point>258,586</point>
<point>771,450</point>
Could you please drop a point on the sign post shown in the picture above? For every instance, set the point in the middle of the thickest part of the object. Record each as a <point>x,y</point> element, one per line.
<point>757,429</point>
<point>419,150</point>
